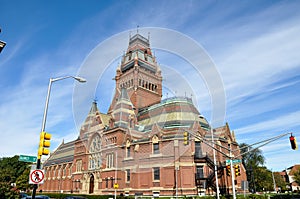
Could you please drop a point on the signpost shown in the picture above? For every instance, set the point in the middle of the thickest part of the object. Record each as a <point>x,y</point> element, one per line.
<point>27,158</point>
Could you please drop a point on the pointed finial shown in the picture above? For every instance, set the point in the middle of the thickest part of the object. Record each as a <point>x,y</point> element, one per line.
<point>137,29</point>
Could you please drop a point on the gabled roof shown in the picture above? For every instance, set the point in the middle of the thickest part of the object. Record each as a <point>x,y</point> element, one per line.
<point>123,109</point>
<point>223,132</point>
<point>63,154</point>
<point>94,121</point>
<point>294,169</point>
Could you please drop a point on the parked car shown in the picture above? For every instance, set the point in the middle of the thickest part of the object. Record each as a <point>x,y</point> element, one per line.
<point>37,197</point>
<point>23,195</point>
<point>75,197</point>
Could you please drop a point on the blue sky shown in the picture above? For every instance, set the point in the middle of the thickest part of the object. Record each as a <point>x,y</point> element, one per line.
<point>253,44</point>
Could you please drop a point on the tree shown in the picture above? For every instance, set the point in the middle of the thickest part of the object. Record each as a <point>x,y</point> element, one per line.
<point>7,191</point>
<point>252,160</point>
<point>22,181</point>
<point>280,182</point>
<point>13,171</point>
<point>264,181</point>
<point>297,176</point>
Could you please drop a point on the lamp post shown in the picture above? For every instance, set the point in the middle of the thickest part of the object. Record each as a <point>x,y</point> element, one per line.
<point>2,44</point>
<point>38,163</point>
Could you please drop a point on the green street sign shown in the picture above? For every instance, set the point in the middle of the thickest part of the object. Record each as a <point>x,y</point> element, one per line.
<point>236,161</point>
<point>27,158</point>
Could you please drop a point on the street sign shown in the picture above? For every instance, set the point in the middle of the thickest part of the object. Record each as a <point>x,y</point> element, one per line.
<point>236,161</point>
<point>36,176</point>
<point>27,158</point>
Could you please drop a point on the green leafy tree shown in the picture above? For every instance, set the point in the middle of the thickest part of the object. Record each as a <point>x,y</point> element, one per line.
<point>264,181</point>
<point>297,176</point>
<point>252,160</point>
<point>7,191</point>
<point>280,182</point>
<point>12,171</point>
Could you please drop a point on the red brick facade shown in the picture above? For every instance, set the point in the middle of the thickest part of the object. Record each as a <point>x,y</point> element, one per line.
<point>138,145</point>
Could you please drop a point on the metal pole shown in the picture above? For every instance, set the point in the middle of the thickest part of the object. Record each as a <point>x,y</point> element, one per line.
<point>274,183</point>
<point>38,163</point>
<point>116,173</point>
<point>215,162</point>
<point>176,179</point>
<point>232,174</point>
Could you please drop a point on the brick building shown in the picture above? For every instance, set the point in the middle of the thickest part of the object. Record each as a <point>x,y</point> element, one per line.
<point>138,146</point>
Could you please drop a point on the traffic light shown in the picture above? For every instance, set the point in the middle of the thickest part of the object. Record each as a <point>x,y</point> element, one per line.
<point>185,138</point>
<point>237,170</point>
<point>293,142</point>
<point>44,144</point>
<point>228,170</point>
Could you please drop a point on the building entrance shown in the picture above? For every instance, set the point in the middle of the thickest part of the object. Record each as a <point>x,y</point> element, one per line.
<point>91,189</point>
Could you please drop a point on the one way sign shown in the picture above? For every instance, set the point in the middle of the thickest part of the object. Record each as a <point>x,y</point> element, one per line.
<point>36,176</point>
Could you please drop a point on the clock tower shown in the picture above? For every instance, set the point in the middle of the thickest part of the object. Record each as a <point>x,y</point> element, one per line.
<point>140,74</point>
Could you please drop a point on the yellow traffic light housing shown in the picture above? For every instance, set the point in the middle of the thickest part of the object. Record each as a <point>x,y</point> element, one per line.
<point>228,170</point>
<point>293,143</point>
<point>185,138</point>
<point>237,170</point>
<point>44,144</point>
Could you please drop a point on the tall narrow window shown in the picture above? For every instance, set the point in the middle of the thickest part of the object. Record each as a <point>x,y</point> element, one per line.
<point>127,175</point>
<point>65,170</point>
<point>110,160</point>
<point>199,172</point>
<point>156,148</point>
<point>70,170</point>
<point>198,150</point>
<point>106,182</point>
<point>156,173</point>
<point>128,151</point>
<point>78,165</point>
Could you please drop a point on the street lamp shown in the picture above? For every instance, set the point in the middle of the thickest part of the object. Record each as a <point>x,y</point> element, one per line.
<point>2,44</point>
<point>79,79</point>
<point>38,163</point>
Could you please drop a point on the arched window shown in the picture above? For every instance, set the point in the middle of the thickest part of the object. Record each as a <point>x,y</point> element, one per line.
<point>95,157</point>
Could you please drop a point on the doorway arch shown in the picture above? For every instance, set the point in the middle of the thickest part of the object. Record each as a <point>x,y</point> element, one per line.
<point>92,179</point>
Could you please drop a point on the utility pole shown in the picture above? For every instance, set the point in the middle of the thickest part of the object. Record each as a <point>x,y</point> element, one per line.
<point>232,173</point>
<point>215,163</point>
<point>274,183</point>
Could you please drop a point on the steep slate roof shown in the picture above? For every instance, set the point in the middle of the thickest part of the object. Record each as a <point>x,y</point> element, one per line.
<point>63,154</point>
<point>172,112</point>
<point>223,133</point>
<point>123,109</point>
<point>94,121</point>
